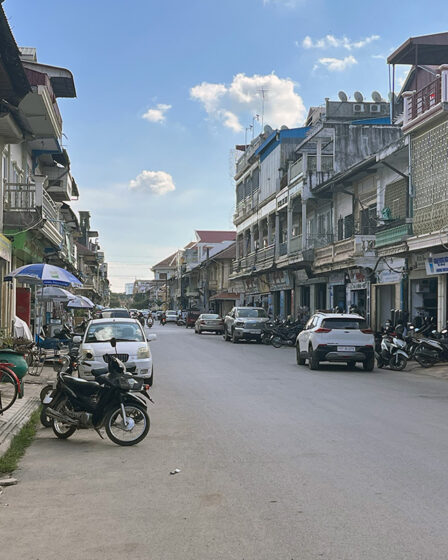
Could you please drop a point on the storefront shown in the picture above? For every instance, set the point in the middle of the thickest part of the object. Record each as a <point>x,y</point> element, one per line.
<point>281,284</point>
<point>358,292</point>
<point>387,295</point>
<point>336,290</point>
<point>6,288</point>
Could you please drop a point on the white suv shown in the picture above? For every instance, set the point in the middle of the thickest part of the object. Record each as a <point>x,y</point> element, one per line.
<point>336,337</point>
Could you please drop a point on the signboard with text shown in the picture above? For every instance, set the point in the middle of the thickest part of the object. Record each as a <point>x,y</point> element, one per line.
<point>437,264</point>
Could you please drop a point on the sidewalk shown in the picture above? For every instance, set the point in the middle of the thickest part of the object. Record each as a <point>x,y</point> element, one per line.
<point>18,415</point>
<point>440,370</point>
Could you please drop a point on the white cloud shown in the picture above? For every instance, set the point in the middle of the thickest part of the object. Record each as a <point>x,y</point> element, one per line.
<point>242,99</point>
<point>330,41</point>
<point>336,64</point>
<point>157,114</point>
<point>155,182</point>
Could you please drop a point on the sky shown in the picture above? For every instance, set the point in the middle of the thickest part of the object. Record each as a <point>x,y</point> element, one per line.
<point>165,90</point>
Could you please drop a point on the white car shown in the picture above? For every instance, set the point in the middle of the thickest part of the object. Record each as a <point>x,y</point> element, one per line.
<point>336,337</point>
<point>171,316</point>
<point>132,346</point>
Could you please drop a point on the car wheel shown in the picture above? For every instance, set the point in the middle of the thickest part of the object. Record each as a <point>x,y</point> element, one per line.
<point>369,364</point>
<point>300,360</point>
<point>313,362</point>
<point>234,338</point>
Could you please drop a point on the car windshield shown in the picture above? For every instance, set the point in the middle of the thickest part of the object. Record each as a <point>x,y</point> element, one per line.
<point>209,316</point>
<point>252,313</point>
<point>123,313</point>
<point>102,332</point>
<point>341,323</point>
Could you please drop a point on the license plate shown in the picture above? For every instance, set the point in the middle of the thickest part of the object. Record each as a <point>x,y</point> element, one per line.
<point>254,331</point>
<point>346,348</point>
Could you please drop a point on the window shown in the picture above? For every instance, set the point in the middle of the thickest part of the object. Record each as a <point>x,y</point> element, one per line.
<point>341,323</point>
<point>368,220</point>
<point>349,226</point>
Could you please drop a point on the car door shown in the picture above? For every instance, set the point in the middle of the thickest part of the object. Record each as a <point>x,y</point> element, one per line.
<point>304,335</point>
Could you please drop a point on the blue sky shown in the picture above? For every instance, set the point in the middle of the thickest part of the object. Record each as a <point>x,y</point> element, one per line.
<point>166,90</point>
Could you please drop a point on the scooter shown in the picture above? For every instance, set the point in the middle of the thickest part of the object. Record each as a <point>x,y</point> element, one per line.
<point>392,353</point>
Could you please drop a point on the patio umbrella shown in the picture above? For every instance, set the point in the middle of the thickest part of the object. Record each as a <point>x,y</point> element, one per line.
<point>54,293</point>
<point>80,302</point>
<point>45,274</point>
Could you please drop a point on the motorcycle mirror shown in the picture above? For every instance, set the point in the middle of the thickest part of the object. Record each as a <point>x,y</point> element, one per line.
<point>77,339</point>
<point>113,342</point>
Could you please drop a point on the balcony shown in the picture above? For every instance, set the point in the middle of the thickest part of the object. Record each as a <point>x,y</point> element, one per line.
<point>319,240</point>
<point>393,234</point>
<point>29,206</point>
<point>344,251</point>
<point>40,107</point>
<point>430,101</point>
<point>295,244</point>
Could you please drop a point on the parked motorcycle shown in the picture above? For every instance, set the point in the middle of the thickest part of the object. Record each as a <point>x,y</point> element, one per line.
<point>110,402</point>
<point>392,353</point>
<point>430,351</point>
<point>286,334</point>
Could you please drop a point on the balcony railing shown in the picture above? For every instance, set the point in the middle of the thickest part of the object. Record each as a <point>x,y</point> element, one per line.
<point>392,235</point>
<point>295,244</point>
<point>421,101</point>
<point>356,246</point>
<point>30,206</point>
<point>319,240</point>
<point>283,249</point>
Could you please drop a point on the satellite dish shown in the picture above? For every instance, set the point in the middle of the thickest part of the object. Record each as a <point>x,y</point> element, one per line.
<point>376,96</point>
<point>358,97</point>
<point>267,129</point>
<point>284,127</point>
<point>342,96</point>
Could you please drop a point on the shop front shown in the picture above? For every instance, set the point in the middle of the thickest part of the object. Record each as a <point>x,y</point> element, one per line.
<point>6,288</point>
<point>336,291</point>
<point>358,292</point>
<point>281,285</point>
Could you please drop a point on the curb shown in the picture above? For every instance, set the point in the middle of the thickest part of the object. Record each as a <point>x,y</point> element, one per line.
<point>11,424</point>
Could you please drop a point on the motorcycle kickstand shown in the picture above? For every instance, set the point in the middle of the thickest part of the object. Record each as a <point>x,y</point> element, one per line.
<point>97,430</point>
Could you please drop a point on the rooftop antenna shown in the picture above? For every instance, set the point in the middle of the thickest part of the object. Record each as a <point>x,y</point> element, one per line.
<point>263,92</point>
<point>254,118</point>
<point>245,133</point>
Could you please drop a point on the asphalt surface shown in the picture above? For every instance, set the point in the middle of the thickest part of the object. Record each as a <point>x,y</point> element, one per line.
<point>276,463</point>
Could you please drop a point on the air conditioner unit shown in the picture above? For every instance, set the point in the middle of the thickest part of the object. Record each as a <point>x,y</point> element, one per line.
<point>358,108</point>
<point>375,108</point>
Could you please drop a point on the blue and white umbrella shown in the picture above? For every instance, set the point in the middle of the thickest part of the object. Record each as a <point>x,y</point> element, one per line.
<point>46,274</point>
<point>80,302</point>
<point>49,293</point>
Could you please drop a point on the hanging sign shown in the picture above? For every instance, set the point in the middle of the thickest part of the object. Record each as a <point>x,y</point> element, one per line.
<point>437,264</point>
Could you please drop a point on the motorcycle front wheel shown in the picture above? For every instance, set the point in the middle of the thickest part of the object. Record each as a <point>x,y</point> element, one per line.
<point>131,433</point>
<point>276,341</point>
<point>398,362</point>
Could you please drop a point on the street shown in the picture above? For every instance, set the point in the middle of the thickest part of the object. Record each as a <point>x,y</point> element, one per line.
<point>276,463</point>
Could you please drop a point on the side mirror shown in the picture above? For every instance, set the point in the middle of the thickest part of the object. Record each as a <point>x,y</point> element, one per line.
<point>77,339</point>
<point>113,342</point>
<point>151,337</point>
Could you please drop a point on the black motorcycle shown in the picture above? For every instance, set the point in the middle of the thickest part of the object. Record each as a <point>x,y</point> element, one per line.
<point>109,402</point>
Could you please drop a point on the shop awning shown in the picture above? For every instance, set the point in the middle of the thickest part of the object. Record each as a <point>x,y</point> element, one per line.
<point>225,296</point>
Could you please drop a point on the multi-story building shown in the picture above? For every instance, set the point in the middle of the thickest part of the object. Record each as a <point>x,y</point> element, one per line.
<point>306,238</point>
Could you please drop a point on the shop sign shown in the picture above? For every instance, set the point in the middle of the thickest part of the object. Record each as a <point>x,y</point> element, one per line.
<point>388,276</point>
<point>280,280</point>
<point>437,264</point>
<point>251,285</point>
<point>301,276</point>
<point>357,275</point>
<point>357,286</point>
<point>336,278</point>
<point>5,248</point>
<point>263,284</point>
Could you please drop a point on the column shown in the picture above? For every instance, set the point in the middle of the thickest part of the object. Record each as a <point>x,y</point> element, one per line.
<point>277,234</point>
<point>304,239</point>
<point>237,248</point>
<point>407,106</point>
<point>252,240</point>
<point>245,243</point>
<point>289,227</point>
<point>260,234</point>
<point>269,218</point>
<point>444,85</point>
<point>312,298</point>
<point>441,302</point>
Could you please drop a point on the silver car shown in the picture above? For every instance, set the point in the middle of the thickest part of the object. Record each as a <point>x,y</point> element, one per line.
<point>245,323</point>
<point>209,322</point>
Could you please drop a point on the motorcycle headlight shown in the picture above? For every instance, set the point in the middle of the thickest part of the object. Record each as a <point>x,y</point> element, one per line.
<point>143,352</point>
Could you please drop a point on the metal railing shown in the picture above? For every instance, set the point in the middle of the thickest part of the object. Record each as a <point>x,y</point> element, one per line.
<point>424,99</point>
<point>319,240</point>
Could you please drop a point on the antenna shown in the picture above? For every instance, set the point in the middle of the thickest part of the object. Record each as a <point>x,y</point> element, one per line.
<point>263,92</point>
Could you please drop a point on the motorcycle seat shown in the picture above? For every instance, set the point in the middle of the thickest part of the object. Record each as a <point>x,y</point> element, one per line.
<point>81,385</point>
<point>99,371</point>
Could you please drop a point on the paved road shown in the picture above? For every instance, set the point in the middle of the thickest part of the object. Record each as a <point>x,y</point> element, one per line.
<point>277,463</point>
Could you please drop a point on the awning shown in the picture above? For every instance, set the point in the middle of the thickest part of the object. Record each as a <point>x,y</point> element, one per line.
<point>425,49</point>
<point>225,296</point>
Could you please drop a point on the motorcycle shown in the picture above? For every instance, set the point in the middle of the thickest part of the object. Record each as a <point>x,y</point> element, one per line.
<point>163,321</point>
<point>392,353</point>
<point>429,351</point>
<point>150,322</point>
<point>285,334</point>
<point>181,322</point>
<point>110,402</point>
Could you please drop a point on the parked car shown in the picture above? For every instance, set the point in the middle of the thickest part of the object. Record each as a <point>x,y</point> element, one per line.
<point>171,316</point>
<point>132,346</point>
<point>110,313</point>
<point>209,322</point>
<point>192,317</point>
<point>331,337</point>
<point>245,323</point>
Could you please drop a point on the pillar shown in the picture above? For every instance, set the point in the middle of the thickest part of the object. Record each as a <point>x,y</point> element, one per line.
<point>312,298</point>
<point>441,302</point>
<point>289,226</point>
<point>277,233</point>
<point>304,239</point>
<point>269,229</point>
<point>252,240</point>
<point>260,234</point>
